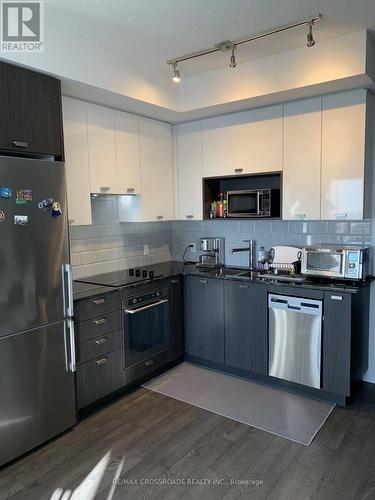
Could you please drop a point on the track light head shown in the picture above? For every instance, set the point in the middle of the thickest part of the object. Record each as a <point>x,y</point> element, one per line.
<point>176,73</point>
<point>309,36</point>
<point>233,62</point>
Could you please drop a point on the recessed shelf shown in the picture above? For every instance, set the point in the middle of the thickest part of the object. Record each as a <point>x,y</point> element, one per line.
<point>213,186</point>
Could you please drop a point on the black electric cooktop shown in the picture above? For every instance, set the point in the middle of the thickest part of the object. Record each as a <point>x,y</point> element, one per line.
<point>122,278</point>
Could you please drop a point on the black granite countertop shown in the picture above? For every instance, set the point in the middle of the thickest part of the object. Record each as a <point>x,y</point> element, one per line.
<point>173,268</point>
<point>84,290</point>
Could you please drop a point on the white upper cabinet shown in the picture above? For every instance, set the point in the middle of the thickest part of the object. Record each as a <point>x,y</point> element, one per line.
<point>156,170</point>
<point>243,143</point>
<point>189,170</point>
<point>302,159</point>
<point>76,162</point>
<point>127,153</point>
<point>343,155</point>
<point>102,149</point>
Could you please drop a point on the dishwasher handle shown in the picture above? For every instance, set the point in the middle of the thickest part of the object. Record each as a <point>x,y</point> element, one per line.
<point>295,304</point>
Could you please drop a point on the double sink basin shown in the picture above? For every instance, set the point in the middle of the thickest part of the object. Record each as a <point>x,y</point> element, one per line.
<point>231,272</point>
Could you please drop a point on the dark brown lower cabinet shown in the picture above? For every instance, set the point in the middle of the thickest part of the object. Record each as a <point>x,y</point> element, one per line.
<point>204,318</point>
<point>177,317</point>
<point>246,326</point>
<point>345,339</point>
<point>99,377</point>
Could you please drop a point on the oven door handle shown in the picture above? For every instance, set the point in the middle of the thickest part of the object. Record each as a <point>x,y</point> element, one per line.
<point>149,306</point>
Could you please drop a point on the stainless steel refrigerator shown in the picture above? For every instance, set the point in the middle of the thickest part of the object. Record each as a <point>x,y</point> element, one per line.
<point>37,356</point>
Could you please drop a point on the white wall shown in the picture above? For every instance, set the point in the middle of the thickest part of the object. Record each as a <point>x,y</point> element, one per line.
<point>69,55</point>
<point>89,72</point>
<point>328,61</point>
<point>370,375</point>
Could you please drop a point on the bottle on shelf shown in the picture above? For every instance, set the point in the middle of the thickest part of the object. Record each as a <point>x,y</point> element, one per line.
<point>213,210</point>
<point>220,206</point>
<point>225,206</point>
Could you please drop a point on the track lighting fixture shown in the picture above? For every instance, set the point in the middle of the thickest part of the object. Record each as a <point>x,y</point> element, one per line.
<point>232,45</point>
<point>233,62</point>
<point>309,36</point>
<point>176,73</point>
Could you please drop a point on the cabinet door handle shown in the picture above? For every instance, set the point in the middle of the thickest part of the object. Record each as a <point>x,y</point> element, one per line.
<point>174,282</point>
<point>341,216</point>
<point>300,216</point>
<point>130,190</point>
<point>336,297</point>
<point>101,361</point>
<point>97,302</point>
<point>190,216</point>
<point>159,217</point>
<point>100,321</point>
<point>204,282</point>
<point>244,286</point>
<point>105,189</point>
<point>20,144</point>
<point>238,170</point>
<point>101,341</point>
<point>149,363</point>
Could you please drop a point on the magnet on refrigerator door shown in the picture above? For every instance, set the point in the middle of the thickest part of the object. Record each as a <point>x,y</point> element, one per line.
<point>45,205</point>
<point>56,209</point>
<point>21,220</point>
<point>5,192</point>
<point>23,196</point>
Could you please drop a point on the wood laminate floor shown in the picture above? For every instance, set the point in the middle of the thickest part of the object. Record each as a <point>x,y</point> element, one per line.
<point>145,438</point>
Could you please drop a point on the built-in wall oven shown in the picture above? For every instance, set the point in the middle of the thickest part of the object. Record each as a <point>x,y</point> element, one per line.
<point>146,325</point>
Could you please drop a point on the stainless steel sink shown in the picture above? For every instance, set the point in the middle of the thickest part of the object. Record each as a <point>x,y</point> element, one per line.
<point>232,271</point>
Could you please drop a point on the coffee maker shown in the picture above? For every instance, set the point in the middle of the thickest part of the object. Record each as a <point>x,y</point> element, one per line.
<point>213,255</point>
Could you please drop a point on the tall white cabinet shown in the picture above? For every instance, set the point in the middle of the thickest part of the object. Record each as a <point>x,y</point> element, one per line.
<point>102,149</point>
<point>128,161</point>
<point>344,155</point>
<point>76,162</point>
<point>243,143</point>
<point>156,170</point>
<point>302,159</point>
<point>189,171</point>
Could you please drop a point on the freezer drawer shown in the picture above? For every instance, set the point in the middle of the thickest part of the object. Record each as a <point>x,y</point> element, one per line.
<point>37,397</point>
<point>295,339</point>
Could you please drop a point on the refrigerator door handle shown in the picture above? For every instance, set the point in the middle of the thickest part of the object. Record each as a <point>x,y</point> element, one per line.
<point>68,290</point>
<point>71,363</point>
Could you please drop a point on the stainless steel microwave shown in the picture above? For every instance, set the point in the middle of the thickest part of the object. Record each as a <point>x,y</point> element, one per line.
<point>254,203</point>
<point>351,263</point>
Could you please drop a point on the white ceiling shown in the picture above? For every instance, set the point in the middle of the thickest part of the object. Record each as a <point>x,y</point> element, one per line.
<point>148,32</point>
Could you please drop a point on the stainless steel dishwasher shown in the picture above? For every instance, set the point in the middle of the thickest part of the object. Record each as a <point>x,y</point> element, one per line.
<point>295,339</point>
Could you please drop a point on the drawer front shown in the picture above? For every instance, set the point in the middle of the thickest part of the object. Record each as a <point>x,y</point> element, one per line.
<point>99,346</point>
<point>143,368</point>
<point>97,306</point>
<point>99,377</point>
<point>101,325</point>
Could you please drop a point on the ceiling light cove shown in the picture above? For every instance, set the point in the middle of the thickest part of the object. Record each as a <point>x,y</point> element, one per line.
<point>232,45</point>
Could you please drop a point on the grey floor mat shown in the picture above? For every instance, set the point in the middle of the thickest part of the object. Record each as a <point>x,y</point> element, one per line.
<point>288,415</point>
